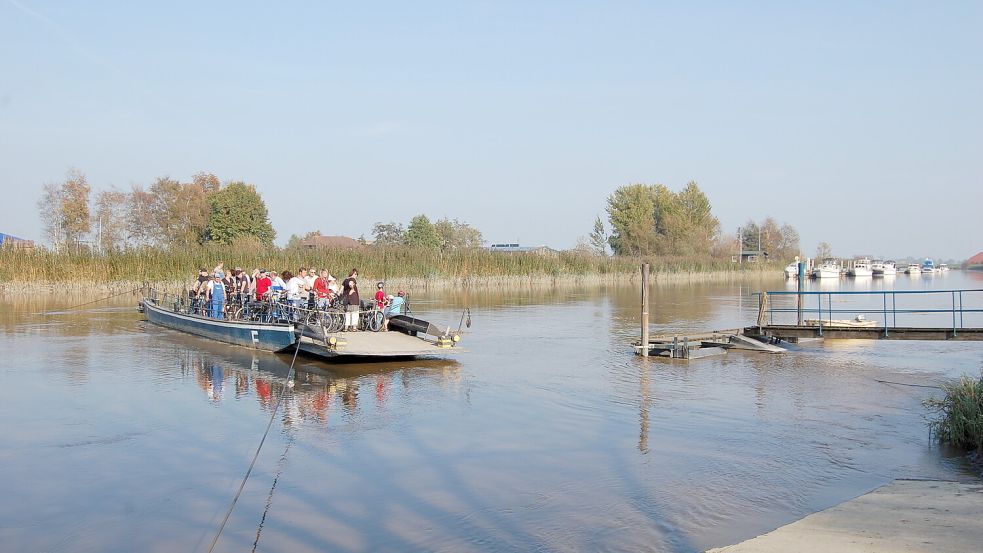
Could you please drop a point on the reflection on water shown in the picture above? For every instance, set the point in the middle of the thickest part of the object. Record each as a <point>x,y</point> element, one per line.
<point>547,434</point>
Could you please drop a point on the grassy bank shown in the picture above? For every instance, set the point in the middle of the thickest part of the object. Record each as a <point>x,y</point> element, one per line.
<point>463,268</point>
<point>959,415</point>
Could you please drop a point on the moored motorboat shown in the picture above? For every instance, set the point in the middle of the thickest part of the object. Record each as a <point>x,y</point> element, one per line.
<point>928,266</point>
<point>830,268</point>
<point>792,270</point>
<point>861,268</point>
<point>914,269</point>
<point>942,268</point>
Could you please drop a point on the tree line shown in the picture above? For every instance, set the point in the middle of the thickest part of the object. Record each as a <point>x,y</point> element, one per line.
<point>168,213</point>
<point>649,220</point>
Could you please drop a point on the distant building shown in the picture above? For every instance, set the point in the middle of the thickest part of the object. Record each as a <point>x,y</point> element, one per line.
<point>752,256</point>
<point>8,241</point>
<point>975,263</point>
<point>521,249</point>
<point>331,242</point>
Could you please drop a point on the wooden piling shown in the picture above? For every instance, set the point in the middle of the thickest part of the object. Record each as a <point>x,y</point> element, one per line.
<point>645,309</point>
<point>763,309</point>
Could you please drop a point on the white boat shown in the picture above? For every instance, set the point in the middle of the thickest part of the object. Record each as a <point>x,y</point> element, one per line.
<point>928,266</point>
<point>942,268</point>
<point>913,269</point>
<point>792,270</point>
<point>890,268</point>
<point>830,268</point>
<point>883,268</point>
<point>861,268</point>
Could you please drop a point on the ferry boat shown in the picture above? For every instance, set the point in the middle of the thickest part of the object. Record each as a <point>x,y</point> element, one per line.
<point>408,336</point>
<point>883,268</point>
<point>830,268</point>
<point>861,268</point>
<point>913,269</point>
<point>274,336</point>
<point>928,266</point>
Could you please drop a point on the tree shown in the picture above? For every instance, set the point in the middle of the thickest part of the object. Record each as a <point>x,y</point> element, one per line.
<point>689,225</point>
<point>109,219</point>
<point>751,237</point>
<point>206,181</point>
<point>237,210</point>
<point>788,246</point>
<point>598,238</point>
<point>75,207</point>
<point>141,228</point>
<point>179,212</point>
<point>388,234</point>
<point>824,250</point>
<point>630,211</point>
<point>457,235</point>
<point>49,208</point>
<point>422,234</point>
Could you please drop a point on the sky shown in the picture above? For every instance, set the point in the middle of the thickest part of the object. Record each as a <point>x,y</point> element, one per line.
<point>859,123</point>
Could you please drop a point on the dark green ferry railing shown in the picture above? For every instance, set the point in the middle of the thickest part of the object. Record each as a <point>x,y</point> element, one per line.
<point>957,305</point>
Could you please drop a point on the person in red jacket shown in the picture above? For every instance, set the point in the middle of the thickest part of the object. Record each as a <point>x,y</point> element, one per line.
<point>380,295</point>
<point>263,284</point>
<point>321,290</point>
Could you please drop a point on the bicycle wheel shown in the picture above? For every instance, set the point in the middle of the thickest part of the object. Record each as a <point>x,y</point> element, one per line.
<point>335,322</point>
<point>373,320</point>
<point>313,319</point>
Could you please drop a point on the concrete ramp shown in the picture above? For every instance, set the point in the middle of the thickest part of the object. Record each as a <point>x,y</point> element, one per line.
<point>904,516</point>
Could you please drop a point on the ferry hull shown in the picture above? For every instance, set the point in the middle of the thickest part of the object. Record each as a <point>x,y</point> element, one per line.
<point>266,337</point>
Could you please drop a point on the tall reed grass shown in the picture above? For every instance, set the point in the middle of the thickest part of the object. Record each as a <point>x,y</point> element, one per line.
<point>157,265</point>
<point>959,415</point>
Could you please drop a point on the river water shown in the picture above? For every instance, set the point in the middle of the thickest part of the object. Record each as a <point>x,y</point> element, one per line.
<point>547,434</point>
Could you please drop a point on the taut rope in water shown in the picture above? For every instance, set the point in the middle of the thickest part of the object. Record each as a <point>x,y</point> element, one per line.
<point>90,302</point>
<point>256,455</point>
<point>906,384</point>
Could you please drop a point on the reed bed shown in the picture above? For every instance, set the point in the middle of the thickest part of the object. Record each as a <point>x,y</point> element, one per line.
<point>464,268</point>
<point>959,415</point>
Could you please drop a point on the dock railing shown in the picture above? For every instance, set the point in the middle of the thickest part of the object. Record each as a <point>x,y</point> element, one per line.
<point>954,307</point>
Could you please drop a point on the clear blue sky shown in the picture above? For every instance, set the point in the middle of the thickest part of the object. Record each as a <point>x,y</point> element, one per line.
<point>861,123</point>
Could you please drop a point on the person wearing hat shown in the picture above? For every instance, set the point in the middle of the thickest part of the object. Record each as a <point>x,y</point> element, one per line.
<point>380,295</point>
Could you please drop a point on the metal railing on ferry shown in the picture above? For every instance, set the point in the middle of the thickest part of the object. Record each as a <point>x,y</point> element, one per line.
<point>237,307</point>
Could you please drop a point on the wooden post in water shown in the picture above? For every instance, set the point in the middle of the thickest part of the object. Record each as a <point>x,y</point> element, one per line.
<point>645,309</point>
<point>762,308</point>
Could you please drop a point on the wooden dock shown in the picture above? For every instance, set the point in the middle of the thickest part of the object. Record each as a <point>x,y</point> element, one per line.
<point>796,332</point>
<point>707,344</point>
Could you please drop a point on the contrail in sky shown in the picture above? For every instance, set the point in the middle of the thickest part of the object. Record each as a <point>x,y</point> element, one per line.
<point>64,35</point>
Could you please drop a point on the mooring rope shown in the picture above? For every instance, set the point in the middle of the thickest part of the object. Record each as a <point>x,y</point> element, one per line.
<point>907,384</point>
<point>90,302</point>
<point>269,496</point>
<point>252,464</point>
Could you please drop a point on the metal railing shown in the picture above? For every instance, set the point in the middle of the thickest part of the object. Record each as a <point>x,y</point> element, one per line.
<point>957,304</point>
<point>276,310</point>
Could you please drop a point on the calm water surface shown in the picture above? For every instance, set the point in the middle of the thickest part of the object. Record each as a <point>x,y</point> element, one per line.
<point>548,434</point>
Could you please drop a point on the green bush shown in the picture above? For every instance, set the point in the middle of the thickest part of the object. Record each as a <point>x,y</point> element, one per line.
<point>959,415</point>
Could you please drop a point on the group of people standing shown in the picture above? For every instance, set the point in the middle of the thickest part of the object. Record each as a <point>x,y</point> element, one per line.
<point>306,289</point>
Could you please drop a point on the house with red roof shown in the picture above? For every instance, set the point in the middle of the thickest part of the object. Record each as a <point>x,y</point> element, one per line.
<point>975,262</point>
